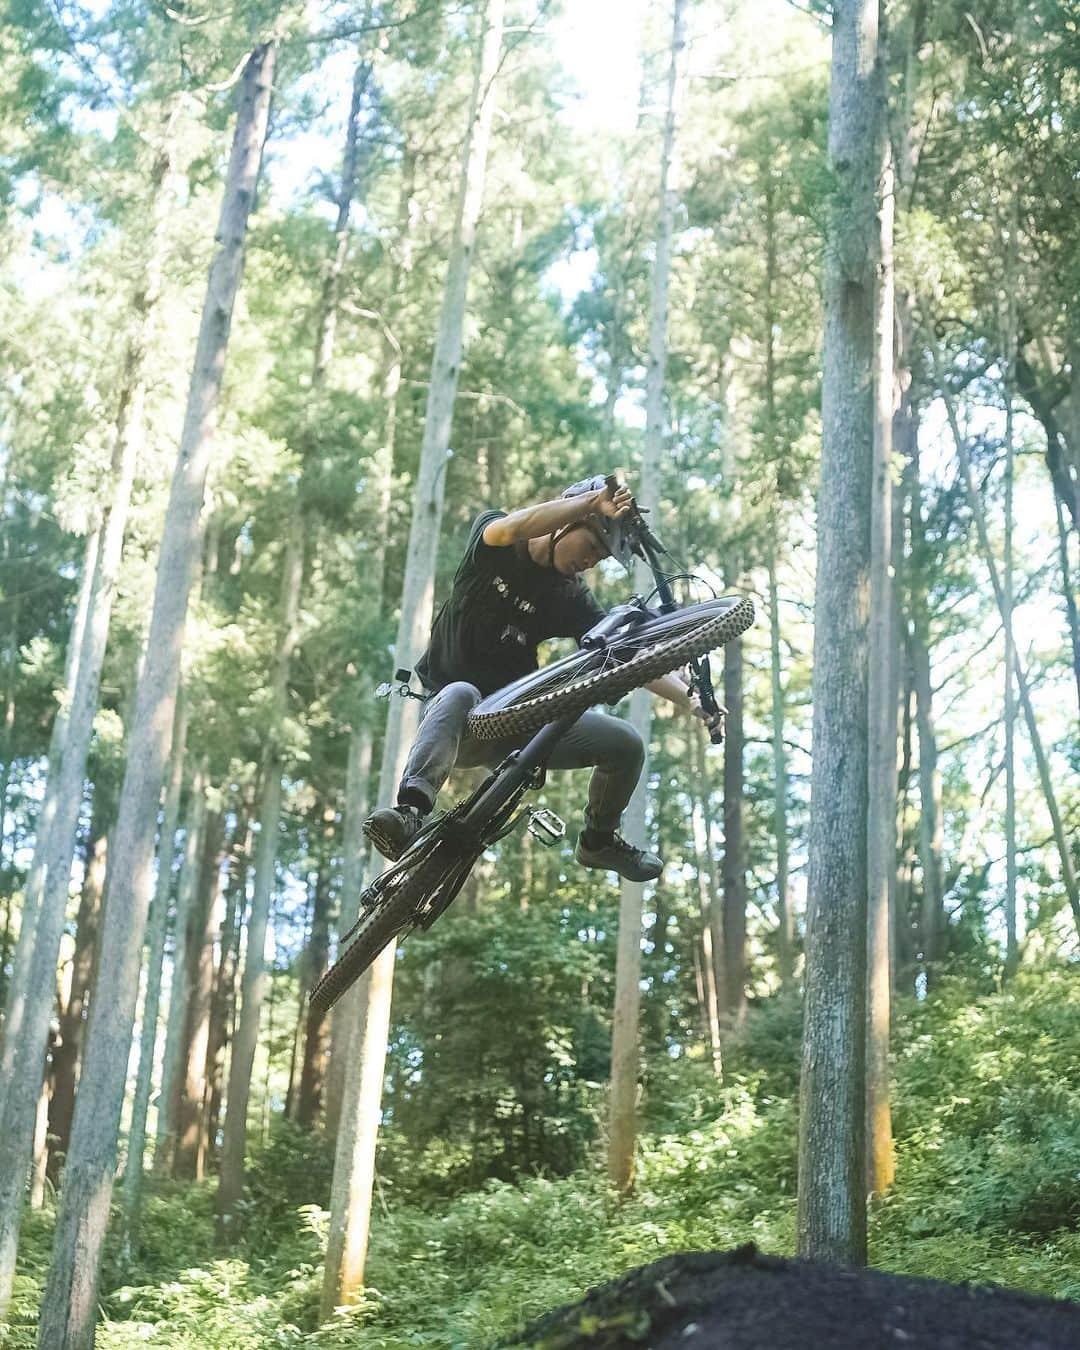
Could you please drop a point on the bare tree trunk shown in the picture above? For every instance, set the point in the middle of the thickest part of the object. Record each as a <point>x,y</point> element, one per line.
<point>368,1004</point>
<point>292,1092</point>
<point>224,1003</point>
<point>832,1160</point>
<point>882,661</point>
<point>734,867</point>
<point>1069,593</point>
<point>622,1126</point>
<point>234,1144</point>
<point>190,1156</point>
<point>1012,949</point>
<point>168,1121</point>
<point>784,915</point>
<point>1068,873</point>
<point>58,838</point>
<point>905,954</point>
<point>15,1005</point>
<point>67,1045</point>
<point>317,1030</point>
<point>715,917</point>
<point>904,423</point>
<point>255,979</point>
<point>157,930</point>
<point>358,772</point>
<point>708,904</point>
<point>7,735</point>
<point>70,1298</point>
<point>932,925</point>
<point>40,1153</point>
<point>622,1111</point>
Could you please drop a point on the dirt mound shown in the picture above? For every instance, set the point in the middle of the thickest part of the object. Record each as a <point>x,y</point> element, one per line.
<point>743,1300</point>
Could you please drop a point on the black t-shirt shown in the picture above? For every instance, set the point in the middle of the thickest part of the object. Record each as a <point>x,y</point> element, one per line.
<point>502,605</point>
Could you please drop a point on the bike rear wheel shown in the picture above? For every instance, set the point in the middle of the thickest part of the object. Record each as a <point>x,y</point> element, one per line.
<point>380,924</point>
<point>644,653</point>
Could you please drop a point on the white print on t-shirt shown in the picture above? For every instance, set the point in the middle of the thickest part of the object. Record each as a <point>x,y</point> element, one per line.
<point>503,587</point>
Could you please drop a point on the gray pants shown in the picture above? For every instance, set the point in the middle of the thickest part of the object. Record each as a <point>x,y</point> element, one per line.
<point>597,739</point>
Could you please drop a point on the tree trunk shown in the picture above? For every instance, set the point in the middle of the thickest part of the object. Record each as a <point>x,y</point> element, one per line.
<point>734,868</point>
<point>70,1298</point>
<point>256,979</point>
<point>882,663</point>
<point>224,1001</point>
<point>234,1145</point>
<point>1012,949</point>
<point>711,920</point>
<point>832,1161</point>
<point>358,775</point>
<point>317,1030</point>
<point>292,1092</point>
<point>932,926</point>
<point>622,1126</point>
<point>358,770</point>
<point>40,1151</point>
<point>1065,480</point>
<point>784,914</point>
<point>1069,592</point>
<point>1068,873</point>
<point>157,930</point>
<point>58,838</point>
<point>15,1005</point>
<point>622,1113</point>
<point>168,1121</point>
<point>7,733</point>
<point>905,953</point>
<point>367,1006</point>
<point>189,1160</point>
<point>67,1045</point>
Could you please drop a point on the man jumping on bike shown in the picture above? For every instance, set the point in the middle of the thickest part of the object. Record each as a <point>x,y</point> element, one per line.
<point>519,584</point>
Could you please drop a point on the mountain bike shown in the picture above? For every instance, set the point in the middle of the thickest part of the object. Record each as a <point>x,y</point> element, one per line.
<point>634,644</point>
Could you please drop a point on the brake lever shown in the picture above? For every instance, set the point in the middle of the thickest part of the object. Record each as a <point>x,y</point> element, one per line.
<point>700,683</point>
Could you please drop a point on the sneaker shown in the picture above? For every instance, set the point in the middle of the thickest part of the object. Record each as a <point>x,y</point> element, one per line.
<point>635,864</point>
<point>392,829</point>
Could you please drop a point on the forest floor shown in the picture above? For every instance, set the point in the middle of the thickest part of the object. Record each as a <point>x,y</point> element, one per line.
<point>986,1112</point>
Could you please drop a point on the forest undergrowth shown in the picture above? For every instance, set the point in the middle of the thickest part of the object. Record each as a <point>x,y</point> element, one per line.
<point>987,1118</point>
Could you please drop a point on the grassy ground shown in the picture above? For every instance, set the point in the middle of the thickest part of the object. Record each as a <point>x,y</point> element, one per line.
<point>987,1118</point>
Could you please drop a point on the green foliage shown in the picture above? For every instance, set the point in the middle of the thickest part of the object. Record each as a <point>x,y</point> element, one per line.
<point>986,1114</point>
<point>465,1104</point>
<point>986,1105</point>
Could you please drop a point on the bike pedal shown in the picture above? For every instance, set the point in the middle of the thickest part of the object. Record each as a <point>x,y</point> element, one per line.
<point>546,826</point>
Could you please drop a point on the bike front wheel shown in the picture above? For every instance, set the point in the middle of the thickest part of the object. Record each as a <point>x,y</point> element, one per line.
<point>632,659</point>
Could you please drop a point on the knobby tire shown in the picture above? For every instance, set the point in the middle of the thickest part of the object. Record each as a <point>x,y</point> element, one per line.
<point>378,926</point>
<point>611,682</point>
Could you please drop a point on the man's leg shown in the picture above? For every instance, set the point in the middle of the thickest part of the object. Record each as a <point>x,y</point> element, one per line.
<point>435,750</point>
<point>434,753</point>
<point>614,750</point>
<point>616,753</point>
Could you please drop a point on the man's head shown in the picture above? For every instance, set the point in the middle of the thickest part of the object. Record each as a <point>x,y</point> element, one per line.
<point>577,549</point>
<point>601,534</point>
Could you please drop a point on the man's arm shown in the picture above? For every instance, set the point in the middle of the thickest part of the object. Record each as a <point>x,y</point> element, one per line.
<point>675,689</point>
<point>532,522</point>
